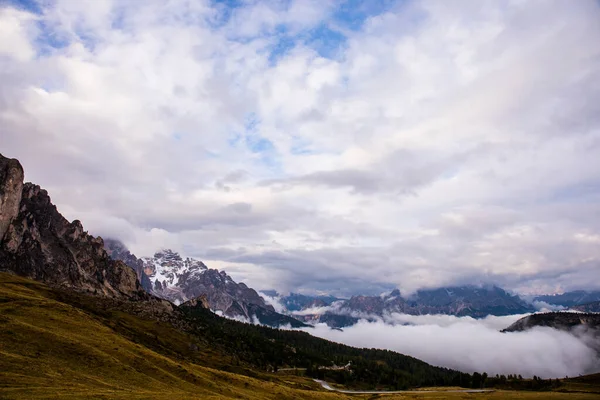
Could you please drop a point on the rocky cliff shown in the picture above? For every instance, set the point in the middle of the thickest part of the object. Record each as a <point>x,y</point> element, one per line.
<point>36,241</point>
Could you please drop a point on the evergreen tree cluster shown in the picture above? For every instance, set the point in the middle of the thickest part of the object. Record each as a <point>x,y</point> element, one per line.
<point>270,349</point>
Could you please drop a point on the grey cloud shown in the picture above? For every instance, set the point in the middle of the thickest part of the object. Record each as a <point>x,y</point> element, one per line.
<point>401,172</point>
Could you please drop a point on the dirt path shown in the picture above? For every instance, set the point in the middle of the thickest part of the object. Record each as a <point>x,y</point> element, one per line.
<point>326,386</point>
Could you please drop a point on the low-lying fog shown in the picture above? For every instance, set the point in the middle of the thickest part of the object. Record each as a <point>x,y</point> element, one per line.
<point>470,345</point>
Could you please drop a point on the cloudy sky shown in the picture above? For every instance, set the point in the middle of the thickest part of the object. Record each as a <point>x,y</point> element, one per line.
<point>339,146</point>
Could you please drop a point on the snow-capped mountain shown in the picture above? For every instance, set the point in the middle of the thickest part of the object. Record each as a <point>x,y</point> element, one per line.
<point>179,279</point>
<point>169,272</point>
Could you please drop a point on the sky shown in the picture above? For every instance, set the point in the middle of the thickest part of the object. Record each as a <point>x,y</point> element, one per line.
<point>319,146</point>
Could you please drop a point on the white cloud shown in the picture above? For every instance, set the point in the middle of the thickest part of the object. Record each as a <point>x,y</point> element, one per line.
<point>15,34</point>
<point>472,345</point>
<point>274,301</point>
<point>439,143</point>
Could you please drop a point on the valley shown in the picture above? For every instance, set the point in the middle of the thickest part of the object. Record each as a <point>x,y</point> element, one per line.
<point>60,345</point>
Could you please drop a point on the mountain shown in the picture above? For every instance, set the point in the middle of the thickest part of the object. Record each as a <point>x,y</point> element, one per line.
<point>82,346</point>
<point>593,307</point>
<point>299,302</point>
<point>77,323</point>
<point>566,321</point>
<point>472,301</point>
<point>177,279</point>
<point>36,241</point>
<point>586,326</point>
<point>117,251</point>
<point>569,299</point>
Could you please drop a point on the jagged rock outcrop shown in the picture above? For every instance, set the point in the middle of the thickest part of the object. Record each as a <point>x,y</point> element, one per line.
<point>117,251</point>
<point>200,301</point>
<point>38,242</point>
<point>11,188</point>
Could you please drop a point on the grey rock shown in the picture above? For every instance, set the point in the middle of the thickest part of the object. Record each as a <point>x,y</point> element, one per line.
<point>117,251</point>
<point>38,242</point>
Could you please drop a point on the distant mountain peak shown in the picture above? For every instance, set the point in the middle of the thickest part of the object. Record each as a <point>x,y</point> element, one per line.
<point>181,280</point>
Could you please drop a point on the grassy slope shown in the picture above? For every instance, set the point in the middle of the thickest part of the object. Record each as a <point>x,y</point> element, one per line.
<point>51,349</point>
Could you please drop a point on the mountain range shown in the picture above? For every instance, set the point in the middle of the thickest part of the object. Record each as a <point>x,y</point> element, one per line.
<point>177,279</point>
<point>468,300</point>
<point>76,321</point>
<point>570,299</point>
<point>171,277</point>
<point>40,243</point>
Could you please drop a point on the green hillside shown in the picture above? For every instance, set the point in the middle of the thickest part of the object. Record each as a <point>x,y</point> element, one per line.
<point>50,348</point>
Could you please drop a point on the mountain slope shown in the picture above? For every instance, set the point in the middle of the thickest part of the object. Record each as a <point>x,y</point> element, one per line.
<point>566,321</point>
<point>50,348</point>
<point>72,328</point>
<point>59,344</point>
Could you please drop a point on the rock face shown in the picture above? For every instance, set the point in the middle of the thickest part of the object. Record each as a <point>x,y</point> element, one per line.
<point>117,251</point>
<point>11,188</point>
<point>38,242</point>
<point>201,301</point>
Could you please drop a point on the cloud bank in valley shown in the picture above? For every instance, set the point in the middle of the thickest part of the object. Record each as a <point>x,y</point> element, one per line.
<point>472,345</point>
<point>319,145</point>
